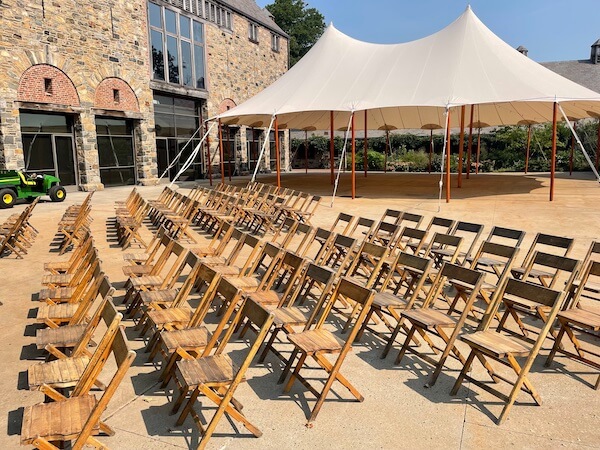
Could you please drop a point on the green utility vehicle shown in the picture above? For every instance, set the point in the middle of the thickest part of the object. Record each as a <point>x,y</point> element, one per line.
<point>15,184</point>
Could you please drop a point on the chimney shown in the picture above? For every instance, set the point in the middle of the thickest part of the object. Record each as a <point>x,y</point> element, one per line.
<point>522,50</point>
<point>595,56</point>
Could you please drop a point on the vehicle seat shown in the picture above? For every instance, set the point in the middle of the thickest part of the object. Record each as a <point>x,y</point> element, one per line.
<point>26,181</point>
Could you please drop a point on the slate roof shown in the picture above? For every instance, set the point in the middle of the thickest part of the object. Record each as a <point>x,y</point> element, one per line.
<point>580,71</point>
<point>250,9</point>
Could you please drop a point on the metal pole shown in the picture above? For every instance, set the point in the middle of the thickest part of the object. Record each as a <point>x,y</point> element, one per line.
<point>470,144</point>
<point>448,147</point>
<point>221,152</point>
<point>366,157</point>
<point>461,144</point>
<point>528,149</point>
<point>277,159</point>
<point>353,158</point>
<point>331,148</point>
<point>553,155</point>
<point>210,180</point>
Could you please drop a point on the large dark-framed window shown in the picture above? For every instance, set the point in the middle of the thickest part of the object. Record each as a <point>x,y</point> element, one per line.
<point>116,151</point>
<point>177,47</point>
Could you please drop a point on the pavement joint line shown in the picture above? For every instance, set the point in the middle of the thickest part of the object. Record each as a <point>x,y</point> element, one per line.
<point>132,400</point>
<point>150,437</point>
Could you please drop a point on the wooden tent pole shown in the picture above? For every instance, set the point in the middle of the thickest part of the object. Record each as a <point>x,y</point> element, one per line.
<point>528,149</point>
<point>331,149</point>
<point>598,147</point>
<point>305,151</point>
<point>229,152</point>
<point>353,158</point>
<point>277,161</point>
<point>210,180</point>
<point>387,149</point>
<point>448,146</point>
<point>222,163</point>
<point>366,149</point>
<point>553,155</point>
<point>478,151</point>
<point>430,149</point>
<point>461,144</point>
<point>572,150</point>
<point>470,144</point>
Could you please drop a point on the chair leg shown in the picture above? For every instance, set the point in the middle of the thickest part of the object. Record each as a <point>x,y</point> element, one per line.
<point>463,373</point>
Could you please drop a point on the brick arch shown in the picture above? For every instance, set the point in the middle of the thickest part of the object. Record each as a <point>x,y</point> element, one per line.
<point>226,105</point>
<point>124,99</point>
<point>43,83</point>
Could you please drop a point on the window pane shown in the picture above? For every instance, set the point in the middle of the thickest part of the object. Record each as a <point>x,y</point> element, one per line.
<point>117,177</point>
<point>49,123</point>
<point>154,11</point>
<point>164,124</point>
<point>186,64</point>
<point>113,127</point>
<point>115,151</point>
<point>185,106</point>
<point>198,32</point>
<point>170,21</point>
<point>163,103</point>
<point>158,58</point>
<point>186,125</point>
<point>199,65</point>
<point>37,151</point>
<point>173,59</point>
<point>184,27</point>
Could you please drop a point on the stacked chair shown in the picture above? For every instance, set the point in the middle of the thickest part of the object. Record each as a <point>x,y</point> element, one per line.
<point>17,233</point>
<point>74,223</point>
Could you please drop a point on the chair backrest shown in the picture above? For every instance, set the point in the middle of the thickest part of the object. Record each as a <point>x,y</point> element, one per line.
<point>591,275</point>
<point>367,263</point>
<point>441,225</point>
<point>414,271</point>
<point>322,238</point>
<point>339,253</point>
<point>209,278</point>
<point>344,222</point>
<point>306,233</point>
<point>462,278</point>
<point>410,239</point>
<point>363,225</point>
<point>384,233</point>
<point>470,232</point>
<point>445,242</point>
<point>548,243</point>
<point>124,357</point>
<point>414,219</point>
<point>98,281</point>
<point>503,256</point>
<point>556,265</point>
<point>391,216</point>
<point>515,237</point>
<point>191,265</point>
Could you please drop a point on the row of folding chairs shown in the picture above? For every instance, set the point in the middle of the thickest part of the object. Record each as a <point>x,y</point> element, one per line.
<point>129,216</point>
<point>81,329</point>
<point>74,223</point>
<point>17,233</point>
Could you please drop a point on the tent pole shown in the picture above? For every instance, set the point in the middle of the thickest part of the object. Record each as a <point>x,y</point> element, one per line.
<point>585,153</point>
<point>430,148</point>
<point>210,180</point>
<point>366,149</point>
<point>528,149</point>
<point>448,147</point>
<point>221,153</point>
<point>305,151</point>
<point>478,151</point>
<point>598,148</point>
<point>461,144</point>
<point>572,150</point>
<point>553,156</point>
<point>387,149</point>
<point>331,148</point>
<point>229,153</point>
<point>353,158</point>
<point>277,160</point>
<point>470,144</point>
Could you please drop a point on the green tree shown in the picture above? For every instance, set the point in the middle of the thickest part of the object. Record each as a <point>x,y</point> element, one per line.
<point>304,25</point>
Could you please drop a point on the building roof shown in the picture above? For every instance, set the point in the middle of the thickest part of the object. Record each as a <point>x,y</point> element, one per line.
<point>250,9</point>
<point>582,72</point>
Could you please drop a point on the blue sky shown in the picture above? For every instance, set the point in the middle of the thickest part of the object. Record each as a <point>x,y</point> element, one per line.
<point>552,30</point>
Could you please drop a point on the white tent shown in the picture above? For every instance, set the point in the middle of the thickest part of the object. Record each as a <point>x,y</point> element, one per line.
<point>412,85</point>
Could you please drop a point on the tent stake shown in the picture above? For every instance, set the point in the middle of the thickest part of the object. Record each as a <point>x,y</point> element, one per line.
<point>528,149</point>
<point>448,147</point>
<point>553,156</point>
<point>366,157</point>
<point>221,152</point>
<point>277,159</point>
<point>353,158</point>
<point>470,144</point>
<point>461,144</point>
<point>331,148</point>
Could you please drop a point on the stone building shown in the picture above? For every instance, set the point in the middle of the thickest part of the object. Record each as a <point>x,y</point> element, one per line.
<point>109,92</point>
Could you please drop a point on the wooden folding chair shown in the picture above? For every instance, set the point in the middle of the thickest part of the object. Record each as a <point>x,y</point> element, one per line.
<point>581,320</point>
<point>429,320</point>
<point>362,227</point>
<point>409,218</point>
<point>77,417</point>
<point>517,307</point>
<point>487,345</point>
<point>318,342</point>
<point>500,235</point>
<point>546,243</point>
<point>217,378</point>
<point>437,225</point>
<point>68,266</point>
<point>470,233</point>
<point>443,248</point>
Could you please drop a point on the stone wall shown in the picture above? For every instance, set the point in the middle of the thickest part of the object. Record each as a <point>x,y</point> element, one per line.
<point>88,42</point>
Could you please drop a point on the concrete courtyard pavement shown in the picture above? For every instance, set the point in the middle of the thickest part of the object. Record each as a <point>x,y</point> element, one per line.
<point>398,412</point>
